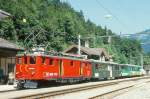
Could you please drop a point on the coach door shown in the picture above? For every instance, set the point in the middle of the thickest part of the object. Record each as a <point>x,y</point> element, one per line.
<point>110,69</point>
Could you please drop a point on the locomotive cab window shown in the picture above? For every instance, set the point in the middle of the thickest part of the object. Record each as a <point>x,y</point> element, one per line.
<point>32,60</point>
<point>71,63</point>
<point>25,59</point>
<point>86,64</point>
<point>43,60</point>
<point>51,61</point>
<point>19,59</point>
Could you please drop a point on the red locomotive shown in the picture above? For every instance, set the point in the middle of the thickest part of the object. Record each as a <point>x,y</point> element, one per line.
<point>36,67</point>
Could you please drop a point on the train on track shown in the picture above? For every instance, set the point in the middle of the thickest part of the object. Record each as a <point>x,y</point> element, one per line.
<point>36,67</point>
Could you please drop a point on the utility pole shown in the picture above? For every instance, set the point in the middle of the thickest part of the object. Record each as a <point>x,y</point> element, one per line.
<point>141,59</point>
<point>79,45</point>
<point>94,41</point>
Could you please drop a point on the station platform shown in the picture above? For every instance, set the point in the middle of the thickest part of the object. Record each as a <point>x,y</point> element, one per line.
<point>4,88</point>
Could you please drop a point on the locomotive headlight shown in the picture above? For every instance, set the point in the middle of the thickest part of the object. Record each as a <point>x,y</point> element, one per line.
<point>46,74</point>
<point>17,73</point>
<point>32,70</point>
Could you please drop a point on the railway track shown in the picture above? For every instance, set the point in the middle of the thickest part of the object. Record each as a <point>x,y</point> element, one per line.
<point>31,94</point>
<point>114,93</point>
<point>111,94</point>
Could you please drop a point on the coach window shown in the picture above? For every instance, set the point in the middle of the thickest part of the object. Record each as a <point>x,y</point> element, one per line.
<point>71,63</point>
<point>32,60</point>
<point>133,68</point>
<point>96,66</point>
<point>51,61</point>
<point>25,59</point>
<point>19,59</point>
<point>116,67</point>
<point>122,67</point>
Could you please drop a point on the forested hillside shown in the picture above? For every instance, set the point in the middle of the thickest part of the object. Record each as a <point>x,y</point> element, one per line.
<point>57,25</point>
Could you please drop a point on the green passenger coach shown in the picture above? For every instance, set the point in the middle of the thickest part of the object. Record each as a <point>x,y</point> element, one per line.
<point>111,70</point>
<point>130,70</point>
<point>100,70</point>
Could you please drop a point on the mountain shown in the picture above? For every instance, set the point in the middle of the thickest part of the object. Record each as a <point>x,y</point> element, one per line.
<point>144,37</point>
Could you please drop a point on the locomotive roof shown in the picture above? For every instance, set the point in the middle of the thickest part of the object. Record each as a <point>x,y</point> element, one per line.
<point>54,56</point>
<point>75,58</point>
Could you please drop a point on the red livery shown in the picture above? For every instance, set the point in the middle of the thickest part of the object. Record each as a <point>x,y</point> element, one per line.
<point>32,68</point>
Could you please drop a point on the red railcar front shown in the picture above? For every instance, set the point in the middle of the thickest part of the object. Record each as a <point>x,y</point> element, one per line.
<point>35,68</point>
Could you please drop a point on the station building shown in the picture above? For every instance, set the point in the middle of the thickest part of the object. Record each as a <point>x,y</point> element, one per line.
<point>91,53</point>
<point>147,69</point>
<point>8,52</point>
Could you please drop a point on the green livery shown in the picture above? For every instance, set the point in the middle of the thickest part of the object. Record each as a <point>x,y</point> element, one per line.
<point>131,70</point>
<point>111,70</point>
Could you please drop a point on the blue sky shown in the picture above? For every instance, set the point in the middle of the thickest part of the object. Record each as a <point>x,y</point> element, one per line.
<point>133,15</point>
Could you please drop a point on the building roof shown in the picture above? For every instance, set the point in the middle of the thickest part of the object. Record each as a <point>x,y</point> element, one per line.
<point>90,51</point>
<point>8,45</point>
<point>3,14</point>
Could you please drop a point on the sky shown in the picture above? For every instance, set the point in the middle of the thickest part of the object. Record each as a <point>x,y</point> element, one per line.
<point>125,16</point>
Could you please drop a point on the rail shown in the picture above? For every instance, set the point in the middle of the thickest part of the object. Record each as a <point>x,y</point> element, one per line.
<point>76,89</point>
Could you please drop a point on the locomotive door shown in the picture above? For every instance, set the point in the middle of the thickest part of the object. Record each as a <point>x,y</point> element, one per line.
<point>61,67</point>
<point>81,69</point>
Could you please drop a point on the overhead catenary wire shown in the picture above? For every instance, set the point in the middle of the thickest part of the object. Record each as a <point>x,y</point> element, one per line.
<point>115,17</point>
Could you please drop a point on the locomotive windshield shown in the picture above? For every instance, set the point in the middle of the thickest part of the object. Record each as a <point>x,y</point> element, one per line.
<point>19,60</point>
<point>51,62</point>
<point>32,60</point>
<point>25,59</point>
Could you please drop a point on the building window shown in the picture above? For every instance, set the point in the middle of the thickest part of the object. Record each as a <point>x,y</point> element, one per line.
<point>19,60</point>
<point>25,59</point>
<point>51,61</point>
<point>32,60</point>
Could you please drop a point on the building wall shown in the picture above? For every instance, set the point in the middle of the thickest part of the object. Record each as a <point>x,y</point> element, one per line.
<point>147,69</point>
